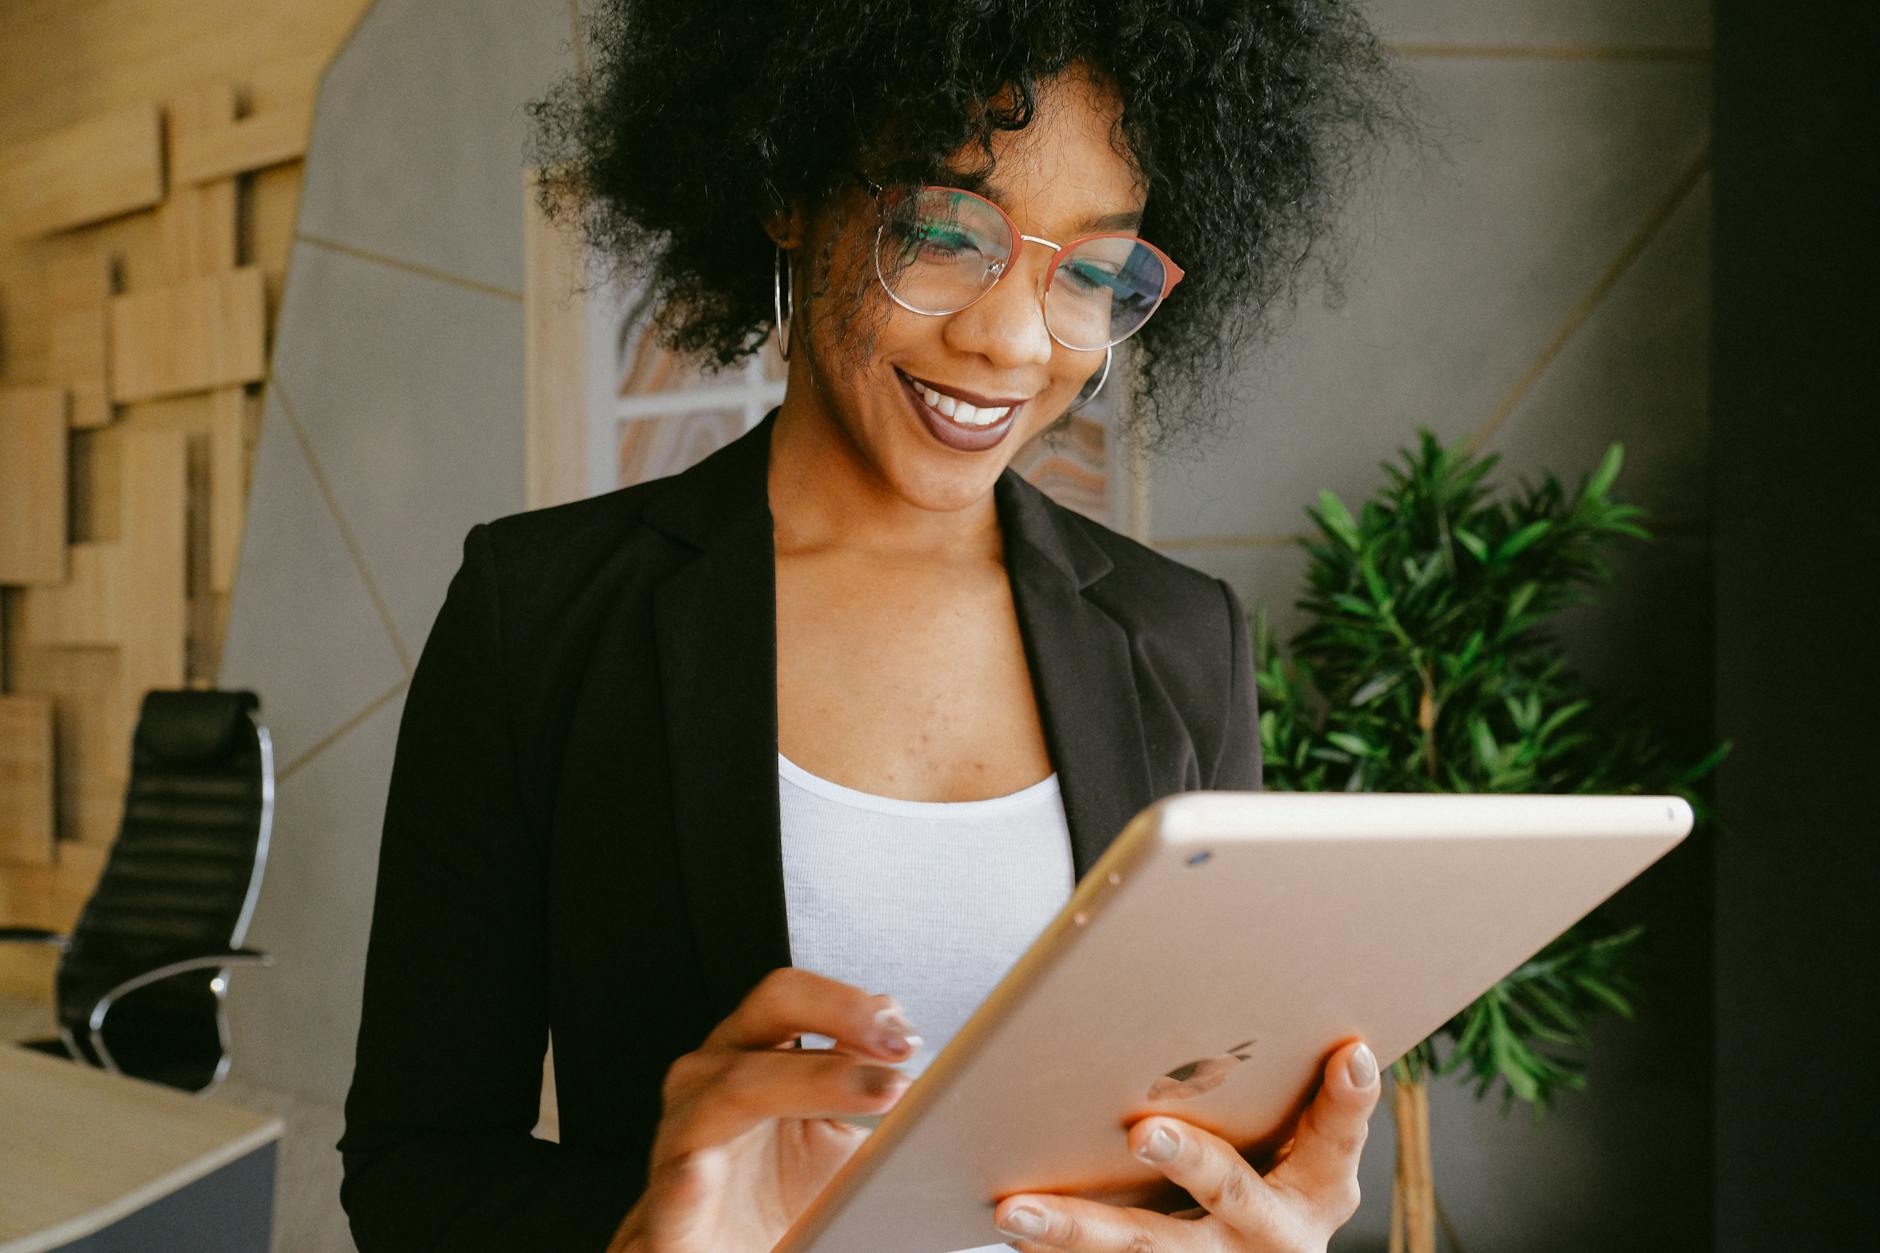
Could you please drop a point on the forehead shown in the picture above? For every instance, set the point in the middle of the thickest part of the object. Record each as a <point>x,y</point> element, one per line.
<point>1067,167</point>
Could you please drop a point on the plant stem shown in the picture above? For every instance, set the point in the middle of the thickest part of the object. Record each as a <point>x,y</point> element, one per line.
<point>1414,1195</point>
<point>1426,720</point>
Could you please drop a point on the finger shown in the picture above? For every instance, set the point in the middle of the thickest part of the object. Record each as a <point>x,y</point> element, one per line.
<point>743,1090</point>
<point>1323,1164</point>
<point>790,1001</point>
<point>1049,1221</point>
<point>1210,1170</point>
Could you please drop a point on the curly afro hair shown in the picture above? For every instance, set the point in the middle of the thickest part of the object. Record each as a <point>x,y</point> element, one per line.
<point>1249,121</point>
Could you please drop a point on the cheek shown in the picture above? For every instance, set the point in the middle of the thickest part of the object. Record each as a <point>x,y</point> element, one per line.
<point>876,336</point>
<point>1066,380</point>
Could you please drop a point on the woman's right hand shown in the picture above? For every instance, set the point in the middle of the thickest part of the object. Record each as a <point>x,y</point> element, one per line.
<point>747,1135</point>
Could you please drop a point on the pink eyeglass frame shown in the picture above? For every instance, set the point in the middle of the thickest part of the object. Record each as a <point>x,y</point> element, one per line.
<point>1171,273</point>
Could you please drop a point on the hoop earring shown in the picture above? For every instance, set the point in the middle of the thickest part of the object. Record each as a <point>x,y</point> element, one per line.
<point>1101,378</point>
<point>779,269</point>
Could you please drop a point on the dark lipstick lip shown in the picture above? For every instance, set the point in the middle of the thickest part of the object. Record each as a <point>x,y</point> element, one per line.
<point>956,435</point>
<point>972,398</point>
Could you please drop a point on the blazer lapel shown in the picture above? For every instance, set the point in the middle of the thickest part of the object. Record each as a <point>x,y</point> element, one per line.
<point>715,626</point>
<point>1082,669</point>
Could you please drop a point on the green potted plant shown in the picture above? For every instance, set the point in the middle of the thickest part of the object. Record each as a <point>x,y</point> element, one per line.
<point>1426,664</point>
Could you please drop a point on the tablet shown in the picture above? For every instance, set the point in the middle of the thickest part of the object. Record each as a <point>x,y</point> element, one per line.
<point>1204,967</point>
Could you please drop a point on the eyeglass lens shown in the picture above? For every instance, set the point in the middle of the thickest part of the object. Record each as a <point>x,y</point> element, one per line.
<point>940,249</point>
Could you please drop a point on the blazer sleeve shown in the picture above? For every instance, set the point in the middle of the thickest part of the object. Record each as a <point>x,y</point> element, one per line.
<point>447,1075</point>
<point>1238,767</point>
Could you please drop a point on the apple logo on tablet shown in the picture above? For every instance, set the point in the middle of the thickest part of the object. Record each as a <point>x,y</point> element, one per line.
<point>1203,1075</point>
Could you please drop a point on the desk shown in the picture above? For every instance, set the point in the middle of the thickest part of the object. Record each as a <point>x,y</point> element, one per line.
<point>95,1161</point>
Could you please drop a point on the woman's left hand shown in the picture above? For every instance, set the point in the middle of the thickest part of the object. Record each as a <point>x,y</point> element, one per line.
<point>1293,1208</point>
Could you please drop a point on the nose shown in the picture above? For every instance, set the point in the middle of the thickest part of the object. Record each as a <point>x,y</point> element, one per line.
<point>1006,325</point>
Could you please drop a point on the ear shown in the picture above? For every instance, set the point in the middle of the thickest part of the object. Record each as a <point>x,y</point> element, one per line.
<point>785,228</point>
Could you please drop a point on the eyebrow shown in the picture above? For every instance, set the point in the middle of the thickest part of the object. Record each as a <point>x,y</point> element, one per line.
<point>1127,219</point>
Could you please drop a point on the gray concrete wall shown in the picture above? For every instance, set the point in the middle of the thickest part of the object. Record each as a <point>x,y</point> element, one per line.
<point>1542,285</point>
<point>394,422</point>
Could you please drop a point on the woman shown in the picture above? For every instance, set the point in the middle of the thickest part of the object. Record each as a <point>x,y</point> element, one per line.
<point>813,738</point>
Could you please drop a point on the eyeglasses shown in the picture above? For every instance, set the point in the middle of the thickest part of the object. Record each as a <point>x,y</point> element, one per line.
<point>939,249</point>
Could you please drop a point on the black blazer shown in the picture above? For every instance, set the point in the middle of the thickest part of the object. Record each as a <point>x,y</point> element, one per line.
<point>582,835</point>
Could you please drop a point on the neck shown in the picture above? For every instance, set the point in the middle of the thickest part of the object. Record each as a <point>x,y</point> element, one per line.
<point>825,494</point>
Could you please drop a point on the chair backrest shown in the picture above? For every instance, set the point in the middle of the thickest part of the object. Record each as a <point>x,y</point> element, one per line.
<point>181,879</point>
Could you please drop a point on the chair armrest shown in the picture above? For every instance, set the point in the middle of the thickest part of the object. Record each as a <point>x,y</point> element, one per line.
<point>177,964</point>
<point>32,935</point>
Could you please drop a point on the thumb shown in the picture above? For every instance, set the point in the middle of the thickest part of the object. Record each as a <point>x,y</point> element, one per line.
<point>1330,1137</point>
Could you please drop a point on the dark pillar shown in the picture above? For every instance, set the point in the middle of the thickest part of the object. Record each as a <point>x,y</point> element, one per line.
<point>1797,545</point>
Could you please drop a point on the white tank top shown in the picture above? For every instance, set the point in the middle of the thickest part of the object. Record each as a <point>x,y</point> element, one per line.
<point>932,901</point>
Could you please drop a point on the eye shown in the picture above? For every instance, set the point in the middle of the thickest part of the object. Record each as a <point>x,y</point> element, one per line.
<point>936,240</point>
<point>1089,276</point>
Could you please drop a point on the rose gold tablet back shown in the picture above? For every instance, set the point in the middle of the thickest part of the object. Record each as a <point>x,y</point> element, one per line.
<point>1204,967</point>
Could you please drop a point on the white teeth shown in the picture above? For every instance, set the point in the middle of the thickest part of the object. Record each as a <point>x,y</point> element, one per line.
<point>979,417</point>
<point>959,410</point>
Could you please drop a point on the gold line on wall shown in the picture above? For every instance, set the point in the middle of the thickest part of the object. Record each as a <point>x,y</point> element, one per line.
<point>409,267</point>
<point>1589,302</point>
<point>339,517</point>
<point>1549,52</point>
<point>339,732</point>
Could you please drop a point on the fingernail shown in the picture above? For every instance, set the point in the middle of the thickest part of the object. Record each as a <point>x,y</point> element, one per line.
<point>897,1045</point>
<point>1362,1066</point>
<point>1159,1147</point>
<point>1023,1221</point>
<point>878,1080</point>
<point>894,1034</point>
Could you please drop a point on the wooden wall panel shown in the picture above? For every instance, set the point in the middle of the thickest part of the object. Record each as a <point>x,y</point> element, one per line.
<point>51,895</point>
<point>96,497</point>
<point>33,473</point>
<point>76,274</point>
<point>91,734</point>
<point>155,529</point>
<point>26,779</point>
<point>197,223</point>
<point>97,169</point>
<point>274,198</point>
<point>74,286</point>
<point>87,610</point>
<point>238,146</point>
<point>154,325</point>
<point>65,60</point>
<point>197,230</point>
<point>190,336</point>
<point>80,364</point>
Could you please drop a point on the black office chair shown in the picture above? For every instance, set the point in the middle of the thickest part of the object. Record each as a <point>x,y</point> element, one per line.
<point>143,975</point>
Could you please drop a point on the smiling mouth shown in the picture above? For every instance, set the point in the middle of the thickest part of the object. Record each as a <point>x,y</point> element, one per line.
<point>967,428</point>
<point>974,417</point>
